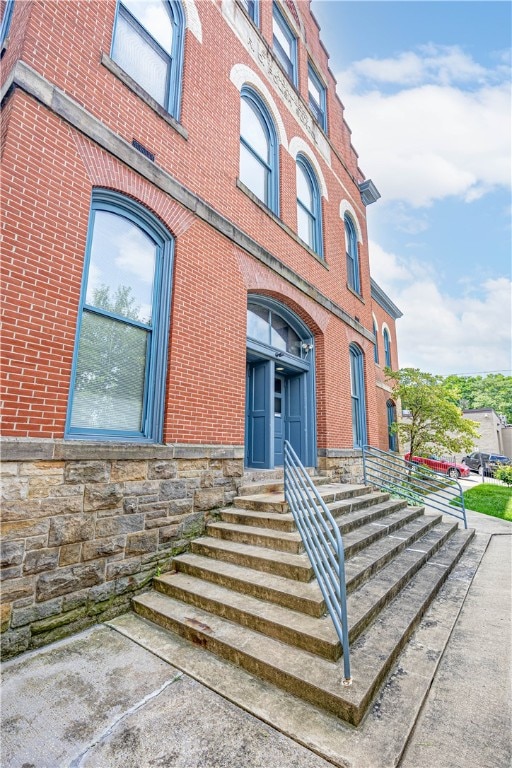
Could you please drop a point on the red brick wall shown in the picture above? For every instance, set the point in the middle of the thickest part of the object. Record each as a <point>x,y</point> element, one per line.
<point>50,170</point>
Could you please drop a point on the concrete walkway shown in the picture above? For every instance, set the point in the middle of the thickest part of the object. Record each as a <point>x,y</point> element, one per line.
<point>99,700</point>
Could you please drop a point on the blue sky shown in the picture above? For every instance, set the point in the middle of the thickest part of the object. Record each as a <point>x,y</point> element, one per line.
<point>426,90</point>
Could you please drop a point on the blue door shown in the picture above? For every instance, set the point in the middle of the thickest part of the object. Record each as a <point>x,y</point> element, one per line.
<point>258,422</point>
<point>279,419</point>
<point>295,414</point>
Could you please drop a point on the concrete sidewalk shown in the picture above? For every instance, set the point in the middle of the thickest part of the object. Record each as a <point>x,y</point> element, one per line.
<point>99,700</point>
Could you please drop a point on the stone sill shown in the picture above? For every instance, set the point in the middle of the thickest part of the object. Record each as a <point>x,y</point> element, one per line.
<point>35,449</point>
<point>340,453</point>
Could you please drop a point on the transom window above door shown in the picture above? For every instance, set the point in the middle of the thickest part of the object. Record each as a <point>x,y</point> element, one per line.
<point>270,328</point>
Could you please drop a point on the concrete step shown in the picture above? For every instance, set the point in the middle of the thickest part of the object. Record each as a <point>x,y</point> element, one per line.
<point>314,634</point>
<point>296,595</point>
<point>361,537</point>
<point>257,537</point>
<point>299,672</point>
<point>275,485</point>
<point>275,502</point>
<point>286,564</point>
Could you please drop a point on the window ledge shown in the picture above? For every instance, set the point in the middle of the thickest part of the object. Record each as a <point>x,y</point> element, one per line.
<point>116,70</point>
<point>243,188</point>
<point>356,294</point>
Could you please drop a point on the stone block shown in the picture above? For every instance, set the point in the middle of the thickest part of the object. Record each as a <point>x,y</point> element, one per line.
<point>69,579</point>
<point>102,592</point>
<point>122,568</point>
<point>61,506</point>
<point>16,589</point>
<point>24,616</point>
<point>76,599</point>
<point>11,573</point>
<point>70,554</point>
<point>103,496</point>
<point>191,465</point>
<point>20,529</point>
<point>145,488</point>
<point>114,526</point>
<point>128,470</point>
<point>14,489</point>
<point>40,487</point>
<point>173,489</point>
<point>209,498</point>
<point>21,510</point>
<point>91,550</point>
<point>8,469</point>
<point>169,534</point>
<point>5,616</point>
<point>233,468</point>
<point>43,468</point>
<point>69,529</point>
<point>139,543</point>
<point>61,619</point>
<point>35,542</point>
<point>181,506</point>
<point>11,553</point>
<point>153,511</point>
<point>87,472</point>
<point>41,560</point>
<point>130,505</point>
<point>156,522</point>
<point>14,642</point>
<point>162,470</point>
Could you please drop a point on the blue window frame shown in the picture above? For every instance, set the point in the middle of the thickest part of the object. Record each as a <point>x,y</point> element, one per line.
<point>148,45</point>
<point>376,344</point>
<point>353,276</point>
<point>309,209</point>
<point>284,44</point>
<point>252,8</point>
<point>357,396</point>
<point>392,438</point>
<point>120,361</point>
<point>6,21</point>
<point>259,166</point>
<point>317,98</point>
<point>387,348</point>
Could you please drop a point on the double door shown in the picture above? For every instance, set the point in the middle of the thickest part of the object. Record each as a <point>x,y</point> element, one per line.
<point>276,410</point>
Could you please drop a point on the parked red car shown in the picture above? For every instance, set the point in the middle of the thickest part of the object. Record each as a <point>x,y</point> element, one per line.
<point>449,468</point>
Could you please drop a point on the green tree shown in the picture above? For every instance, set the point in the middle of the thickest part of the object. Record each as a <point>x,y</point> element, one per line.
<point>436,423</point>
<point>491,391</point>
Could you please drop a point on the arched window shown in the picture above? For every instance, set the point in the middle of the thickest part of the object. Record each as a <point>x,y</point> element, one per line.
<point>6,20</point>
<point>357,395</point>
<point>387,347</point>
<point>148,44</point>
<point>353,278</point>
<point>376,345</point>
<point>309,211</point>
<point>392,438</point>
<point>258,150</point>
<point>118,378</point>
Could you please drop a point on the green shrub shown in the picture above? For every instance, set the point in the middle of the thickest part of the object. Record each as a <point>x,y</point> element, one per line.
<point>504,473</point>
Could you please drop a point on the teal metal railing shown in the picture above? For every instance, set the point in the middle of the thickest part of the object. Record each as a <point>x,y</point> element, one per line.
<point>414,482</point>
<point>323,543</point>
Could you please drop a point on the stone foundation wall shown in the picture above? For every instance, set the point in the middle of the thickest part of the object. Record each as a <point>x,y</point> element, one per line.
<point>344,466</point>
<point>85,526</point>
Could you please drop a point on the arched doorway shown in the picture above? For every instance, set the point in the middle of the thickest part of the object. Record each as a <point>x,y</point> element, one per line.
<point>280,396</point>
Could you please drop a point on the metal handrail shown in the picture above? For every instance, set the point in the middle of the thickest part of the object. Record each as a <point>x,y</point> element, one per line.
<point>323,543</point>
<point>409,480</point>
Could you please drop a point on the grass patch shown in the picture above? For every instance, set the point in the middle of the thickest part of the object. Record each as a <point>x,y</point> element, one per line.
<point>494,500</point>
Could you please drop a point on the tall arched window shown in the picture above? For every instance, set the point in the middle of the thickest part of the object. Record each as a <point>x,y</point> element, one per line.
<point>387,347</point>
<point>148,45</point>
<point>118,378</point>
<point>309,210</point>
<point>357,396</point>
<point>376,345</point>
<point>258,150</point>
<point>392,438</point>
<point>353,277</point>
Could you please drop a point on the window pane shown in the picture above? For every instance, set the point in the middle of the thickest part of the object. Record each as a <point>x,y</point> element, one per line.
<point>283,336</point>
<point>305,226</point>
<point>122,268</point>
<point>253,131</point>
<point>282,38</point>
<point>153,15</point>
<point>258,326</point>
<point>253,173</point>
<point>314,91</point>
<point>110,376</point>
<point>304,191</point>
<point>140,60</point>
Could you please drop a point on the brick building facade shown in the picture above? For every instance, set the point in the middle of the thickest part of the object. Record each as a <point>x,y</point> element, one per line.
<point>186,284</point>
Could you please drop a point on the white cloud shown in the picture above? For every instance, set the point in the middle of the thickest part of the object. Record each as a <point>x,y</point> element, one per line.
<point>431,138</point>
<point>441,332</point>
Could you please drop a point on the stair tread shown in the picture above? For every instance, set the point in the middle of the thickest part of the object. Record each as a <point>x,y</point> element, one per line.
<point>314,628</point>
<point>291,558</point>
<point>344,489</point>
<point>255,531</point>
<point>371,655</point>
